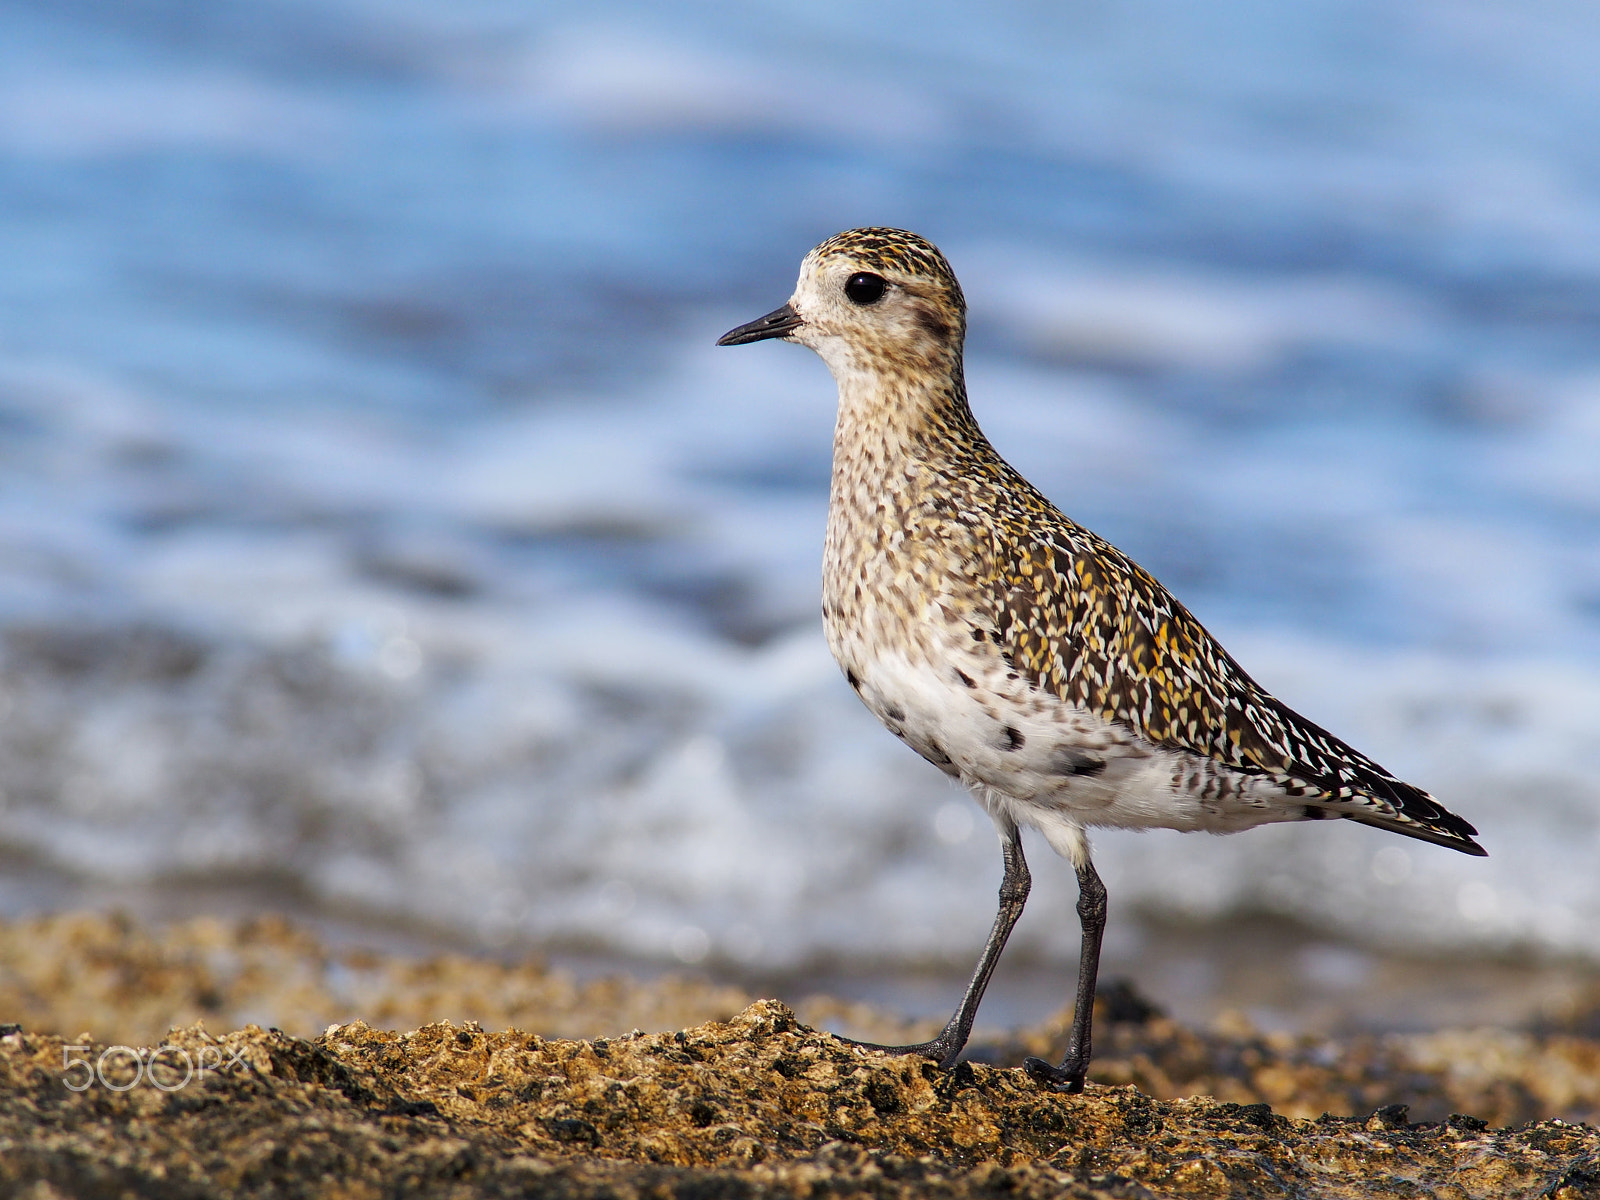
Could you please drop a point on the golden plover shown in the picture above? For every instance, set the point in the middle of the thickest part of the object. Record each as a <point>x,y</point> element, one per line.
<point>1014,649</point>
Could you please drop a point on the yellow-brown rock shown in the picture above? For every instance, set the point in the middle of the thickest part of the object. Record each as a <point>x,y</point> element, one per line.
<point>754,1103</point>
<point>760,1104</point>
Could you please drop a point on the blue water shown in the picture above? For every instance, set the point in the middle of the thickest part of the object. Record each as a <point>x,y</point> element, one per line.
<point>379,526</point>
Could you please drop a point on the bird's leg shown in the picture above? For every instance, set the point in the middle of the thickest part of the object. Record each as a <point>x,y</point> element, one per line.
<point>1092,916</point>
<point>1013,895</point>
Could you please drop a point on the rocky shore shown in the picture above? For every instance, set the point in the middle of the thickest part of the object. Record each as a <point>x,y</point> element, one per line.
<point>541,1085</point>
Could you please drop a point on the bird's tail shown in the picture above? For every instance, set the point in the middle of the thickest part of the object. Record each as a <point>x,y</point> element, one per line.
<point>1454,839</point>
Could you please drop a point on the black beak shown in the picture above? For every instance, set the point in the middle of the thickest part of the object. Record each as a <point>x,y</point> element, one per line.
<point>779,323</point>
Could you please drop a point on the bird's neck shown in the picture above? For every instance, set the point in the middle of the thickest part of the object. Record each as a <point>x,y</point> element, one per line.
<point>890,419</point>
<point>902,447</point>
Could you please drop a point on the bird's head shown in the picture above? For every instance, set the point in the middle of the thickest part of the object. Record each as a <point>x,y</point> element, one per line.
<point>871,301</point>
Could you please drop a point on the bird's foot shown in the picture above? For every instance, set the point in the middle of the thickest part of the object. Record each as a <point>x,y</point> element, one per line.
<point>1068,1077</point>
<point>944,1048</point>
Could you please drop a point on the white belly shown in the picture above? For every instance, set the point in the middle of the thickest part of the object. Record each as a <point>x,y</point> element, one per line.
<point>1042,761</point>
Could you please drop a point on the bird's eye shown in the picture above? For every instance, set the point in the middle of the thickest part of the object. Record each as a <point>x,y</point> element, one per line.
<point>865,288</point>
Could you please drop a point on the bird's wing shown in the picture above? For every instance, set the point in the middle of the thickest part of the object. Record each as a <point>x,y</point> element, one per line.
<point>1080,620</point>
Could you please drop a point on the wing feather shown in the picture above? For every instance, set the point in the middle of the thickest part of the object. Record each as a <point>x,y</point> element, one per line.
<point>1080,620</point>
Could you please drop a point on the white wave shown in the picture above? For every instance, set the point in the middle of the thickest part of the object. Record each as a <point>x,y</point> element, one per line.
<point>1161,317</point>
<point>557,755</point>
<point>291,594</point>
<point>630,78</point>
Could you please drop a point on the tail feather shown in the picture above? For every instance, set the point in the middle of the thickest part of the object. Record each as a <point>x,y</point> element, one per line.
<point>1358,789</point>
<point>1415,805</point>
<point>1423,833</point>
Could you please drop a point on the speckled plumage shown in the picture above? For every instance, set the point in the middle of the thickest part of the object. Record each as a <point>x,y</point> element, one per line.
<point>1010,646</point>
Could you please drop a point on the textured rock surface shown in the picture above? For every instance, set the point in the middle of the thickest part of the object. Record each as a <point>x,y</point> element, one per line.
<point>119,982</point>
<point>754,1103</point>
<point>1506,1077</point>
<point>759,1104</point>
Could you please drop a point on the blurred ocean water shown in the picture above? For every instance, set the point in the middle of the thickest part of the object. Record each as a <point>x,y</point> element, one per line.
<point>379,526</point>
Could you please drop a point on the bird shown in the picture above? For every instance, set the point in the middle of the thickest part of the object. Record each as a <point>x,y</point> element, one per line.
<point>1015,650</point>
